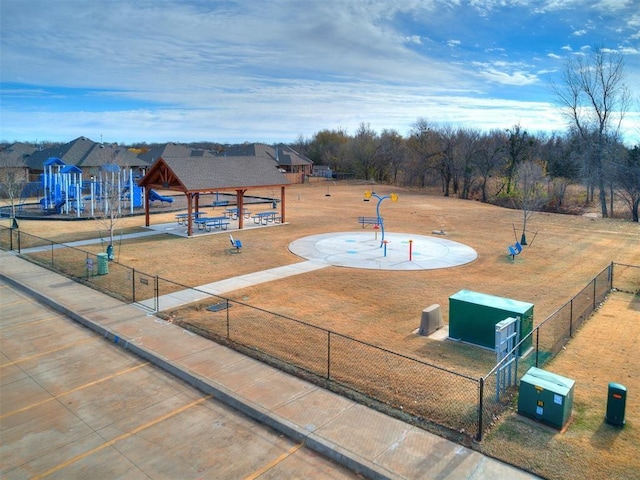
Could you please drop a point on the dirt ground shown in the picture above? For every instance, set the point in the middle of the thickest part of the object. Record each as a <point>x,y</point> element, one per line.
<point>384,308</point>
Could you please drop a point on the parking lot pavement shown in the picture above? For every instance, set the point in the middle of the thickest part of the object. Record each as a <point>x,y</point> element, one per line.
<point>73,405</point>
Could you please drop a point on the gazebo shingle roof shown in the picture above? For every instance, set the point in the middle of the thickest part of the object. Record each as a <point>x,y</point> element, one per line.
<point>207,173</point>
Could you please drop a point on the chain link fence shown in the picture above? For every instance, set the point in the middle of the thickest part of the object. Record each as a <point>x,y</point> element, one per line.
<point>411,389</point>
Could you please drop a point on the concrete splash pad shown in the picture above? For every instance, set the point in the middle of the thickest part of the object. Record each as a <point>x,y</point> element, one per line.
<point>363,250</point>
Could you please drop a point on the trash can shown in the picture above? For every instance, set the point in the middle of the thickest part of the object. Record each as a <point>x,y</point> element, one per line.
<point>103,264</point>
<point>616,403</point>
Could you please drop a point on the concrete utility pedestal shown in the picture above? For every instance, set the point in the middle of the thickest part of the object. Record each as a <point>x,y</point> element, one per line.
<point>431,320</point>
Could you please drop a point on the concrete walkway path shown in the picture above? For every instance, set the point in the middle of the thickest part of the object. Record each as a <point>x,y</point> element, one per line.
<point>362,439</point>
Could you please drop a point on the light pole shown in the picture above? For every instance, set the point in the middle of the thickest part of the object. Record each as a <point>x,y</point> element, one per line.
<point>367,197</point>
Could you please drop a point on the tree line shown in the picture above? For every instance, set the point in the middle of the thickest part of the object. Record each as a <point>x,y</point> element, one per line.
<point>507,165</point>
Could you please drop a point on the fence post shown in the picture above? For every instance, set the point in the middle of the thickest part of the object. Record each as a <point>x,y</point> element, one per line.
<point>228,321</point>
<point>19,241</point>
<point>156,294</point>
<point>480,408</point>
<point>52,264</point>
<point>595,281</point>
<point>610,279</point>
<point>571,318</point>
<point>133,284</point>
<point>537,345</point>
<point>328,355</point>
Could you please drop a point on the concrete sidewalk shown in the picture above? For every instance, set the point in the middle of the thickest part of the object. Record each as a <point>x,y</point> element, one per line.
<point>351,434</point>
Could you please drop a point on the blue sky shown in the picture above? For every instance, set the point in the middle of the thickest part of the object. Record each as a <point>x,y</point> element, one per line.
<point>272,70</point>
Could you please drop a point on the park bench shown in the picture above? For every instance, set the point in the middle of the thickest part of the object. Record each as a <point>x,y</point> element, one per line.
<point>237,244</point>
<point>515,250</point>
<point>364,221</point>
<point>220,203</point>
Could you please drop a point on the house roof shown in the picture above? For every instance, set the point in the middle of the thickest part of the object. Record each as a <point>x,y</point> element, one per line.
<point>14,155</point>
<point>85,153</point>
<point>209,172</point>
<point>171,150</point>
<point>281,155</point>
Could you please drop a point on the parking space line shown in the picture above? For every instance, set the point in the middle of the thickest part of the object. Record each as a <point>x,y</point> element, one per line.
<point>276,461</point>
<point>124,436</point>
<point>86,385</point>
<point>29,324</point>
<point>15,302</point>
<point>48,352</point>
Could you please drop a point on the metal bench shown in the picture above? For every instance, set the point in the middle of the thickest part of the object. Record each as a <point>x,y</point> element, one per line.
<point>364,221</point>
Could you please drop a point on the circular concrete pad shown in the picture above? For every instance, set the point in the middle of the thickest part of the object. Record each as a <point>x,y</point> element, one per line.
<point>363,250</point>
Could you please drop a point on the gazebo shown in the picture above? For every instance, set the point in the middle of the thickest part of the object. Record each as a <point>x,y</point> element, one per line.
<point>208,174</point>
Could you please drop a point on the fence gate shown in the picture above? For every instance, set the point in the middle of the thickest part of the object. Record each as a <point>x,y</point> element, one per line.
<point>145,290</point>
<point>507,337</point>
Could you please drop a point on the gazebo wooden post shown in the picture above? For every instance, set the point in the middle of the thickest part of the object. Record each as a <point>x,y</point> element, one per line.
<point>146,207</point>
<point>240,201</point>
<point>282,203</point>
<point>189,213</point>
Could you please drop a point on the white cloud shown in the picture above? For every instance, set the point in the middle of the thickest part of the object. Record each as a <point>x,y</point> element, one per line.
<point>505,78</point>
<point>579,33</point>
<point>271,70</point>
<point>417,39</point>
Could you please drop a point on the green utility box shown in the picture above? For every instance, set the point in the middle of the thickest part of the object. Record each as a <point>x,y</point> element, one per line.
<point>103,263</point>
<point>546,397</point>
<point>473,317</point>
<point>616,404</point>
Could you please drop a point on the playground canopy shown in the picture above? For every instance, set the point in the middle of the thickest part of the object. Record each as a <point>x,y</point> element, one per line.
<point>209,174</point>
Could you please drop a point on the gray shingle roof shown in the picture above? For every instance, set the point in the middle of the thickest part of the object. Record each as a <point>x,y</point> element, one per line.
<point>282,155</point>
<point>209,173</point>
<point>85,153</point>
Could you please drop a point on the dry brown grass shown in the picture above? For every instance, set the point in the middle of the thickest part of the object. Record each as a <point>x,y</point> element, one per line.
<point>604,350</point>
<point>383,308</point>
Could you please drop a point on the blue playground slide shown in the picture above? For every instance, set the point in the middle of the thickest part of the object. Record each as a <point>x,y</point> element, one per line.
<point>153,196</point>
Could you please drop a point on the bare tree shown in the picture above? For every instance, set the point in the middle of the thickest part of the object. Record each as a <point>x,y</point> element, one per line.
<point>468,149</point>
<point>595,97</point>
<point>110,188</point>
<point>516,150</point>
<point>392,154</point>
<point>362,150</point>
<point>424,151</point>
<point>14,177</point>
<point>530,191</point>
<point>490,158</point>
<point>628,181</point>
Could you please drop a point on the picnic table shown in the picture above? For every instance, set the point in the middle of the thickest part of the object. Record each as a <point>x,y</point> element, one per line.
<point>264,217</point>
<point>182,217</point>
<point>233,213</point>
<point>206,223</point>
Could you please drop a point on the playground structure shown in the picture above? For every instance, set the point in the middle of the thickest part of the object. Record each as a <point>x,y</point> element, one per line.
<point>67,192</point>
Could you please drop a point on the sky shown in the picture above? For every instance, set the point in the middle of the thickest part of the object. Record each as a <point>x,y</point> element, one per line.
<point>274,70</point>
